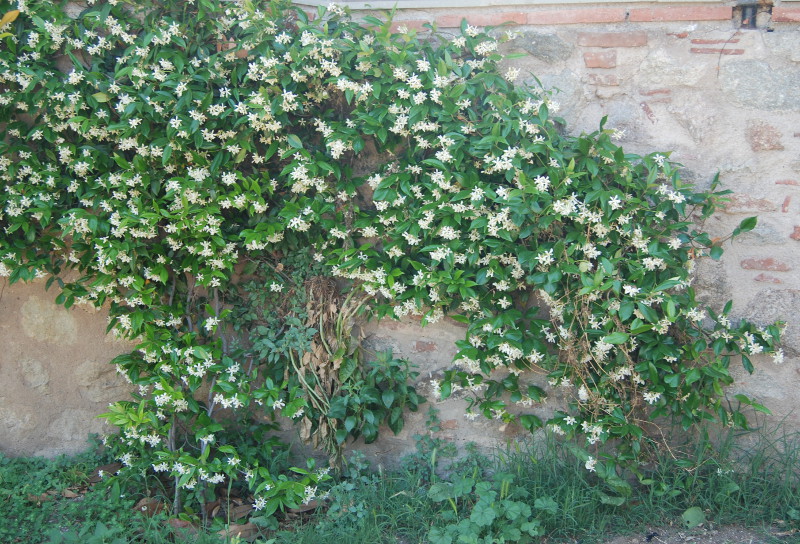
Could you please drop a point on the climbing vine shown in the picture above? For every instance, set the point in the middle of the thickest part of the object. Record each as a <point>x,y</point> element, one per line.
<point>236,180</point>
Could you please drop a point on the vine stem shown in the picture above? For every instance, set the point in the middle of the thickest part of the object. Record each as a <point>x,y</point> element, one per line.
<point>176,501</point>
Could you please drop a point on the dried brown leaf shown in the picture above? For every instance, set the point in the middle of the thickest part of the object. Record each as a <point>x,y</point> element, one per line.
<point>70,493</point>
<point>248,531</point>
<point>149,506</point>
<point>182,524</point>
<point>240,512</point>
<point>105,469</point>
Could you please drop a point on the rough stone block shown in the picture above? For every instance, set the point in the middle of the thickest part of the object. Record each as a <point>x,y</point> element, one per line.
<point>34,374</point>
<point>756,84</point>
<point>547,47</point>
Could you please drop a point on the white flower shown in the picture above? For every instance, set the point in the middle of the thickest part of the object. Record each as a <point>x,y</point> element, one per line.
<point>631,290</point>
<point>590,464</point>
<point>512,74</point>
<point>651,398</point>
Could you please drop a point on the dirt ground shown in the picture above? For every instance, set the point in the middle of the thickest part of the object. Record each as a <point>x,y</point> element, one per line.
<point>713,535</point>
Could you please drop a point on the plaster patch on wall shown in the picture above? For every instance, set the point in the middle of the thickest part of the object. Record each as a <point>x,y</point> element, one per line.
<point>42,320</point>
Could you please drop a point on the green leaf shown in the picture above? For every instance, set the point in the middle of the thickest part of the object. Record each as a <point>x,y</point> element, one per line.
<point>546,504</point>
<point>616,338</point>
<point>693,517</point>
<point>440,491</point>
<point>625,310</point>
<point>294,141</point>
<point>165,156</point>
<point>483,514</point>
<point>611,499</point>
<point>716,252</point>
<point>349,366</point>
<point>388,398</point>
<point>748,366</point>
<point>748,224</point>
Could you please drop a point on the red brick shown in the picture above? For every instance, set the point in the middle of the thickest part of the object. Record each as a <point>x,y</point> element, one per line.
<point>786,15</point>
<point>483,19</point>
<point>601,59</point>
<point>711,51</point>
<point>713,42</point>
<point>744,203</point>
<point>608,80</point>
<point>787,182</point>
<point>421,347</point>
<point>612,39</point>
<point>576,16</point>
<point>768,264</point>
<point>766,278</point>
<point>654,92</point>
<point>412,24</point>
<point>786,202</point>
<point>680,35</point>
<point>680,13</point>
<point>795,235</point>
<point>449,425</point>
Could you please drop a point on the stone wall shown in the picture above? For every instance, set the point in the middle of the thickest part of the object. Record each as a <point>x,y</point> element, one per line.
<point>54,373</point>
<point>680,77</point>
<point>685,77</point>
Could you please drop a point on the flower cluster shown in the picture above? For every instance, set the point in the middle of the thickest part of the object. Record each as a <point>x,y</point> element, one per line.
<point>186,139</point>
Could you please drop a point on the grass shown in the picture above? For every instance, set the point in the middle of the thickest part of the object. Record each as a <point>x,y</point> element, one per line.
<point>750,481</point>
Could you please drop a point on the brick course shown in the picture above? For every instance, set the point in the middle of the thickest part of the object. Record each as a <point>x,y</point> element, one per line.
<point>577,16</point>
<point>769,264</point>
<point>713,51</point>
<point>785,15</point>
<point>680,13</point>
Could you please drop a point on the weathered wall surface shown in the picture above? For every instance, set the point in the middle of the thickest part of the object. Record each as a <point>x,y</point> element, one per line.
<point>681,77</point>
<point>54,373</point>
<point>686,78</point>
